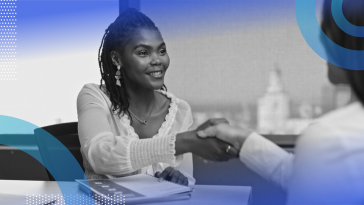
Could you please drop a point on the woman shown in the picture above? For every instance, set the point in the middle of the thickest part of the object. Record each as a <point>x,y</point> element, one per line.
<point>131,124</point>
<point>328,164</point>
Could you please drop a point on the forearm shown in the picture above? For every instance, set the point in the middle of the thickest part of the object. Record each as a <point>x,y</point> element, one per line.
<point>116,155</point>
<point>267,159</point>
<point>185,142</point>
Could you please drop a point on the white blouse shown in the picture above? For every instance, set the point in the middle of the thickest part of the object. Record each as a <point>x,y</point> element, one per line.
<point>111,148</point>
<point>328,164</point>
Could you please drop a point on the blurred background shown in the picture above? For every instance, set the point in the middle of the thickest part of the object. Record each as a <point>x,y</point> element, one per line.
<point>245,60</point>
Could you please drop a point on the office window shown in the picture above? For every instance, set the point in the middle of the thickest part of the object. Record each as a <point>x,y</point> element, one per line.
<point>227,58</point>
<point>246,61</point>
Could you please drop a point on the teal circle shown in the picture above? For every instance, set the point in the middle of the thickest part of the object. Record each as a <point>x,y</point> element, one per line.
<point>66,167</point>
<point>320,43</point>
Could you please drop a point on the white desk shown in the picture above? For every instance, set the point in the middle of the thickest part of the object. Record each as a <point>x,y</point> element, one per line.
<point>203,194</point>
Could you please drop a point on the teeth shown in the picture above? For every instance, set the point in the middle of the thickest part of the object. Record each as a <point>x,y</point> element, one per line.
<point>156,74</point>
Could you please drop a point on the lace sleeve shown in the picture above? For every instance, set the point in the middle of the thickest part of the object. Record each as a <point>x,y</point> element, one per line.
<point>112,154</point>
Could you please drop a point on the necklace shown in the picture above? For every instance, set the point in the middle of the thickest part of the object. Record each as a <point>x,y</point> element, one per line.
<point>144,122</point>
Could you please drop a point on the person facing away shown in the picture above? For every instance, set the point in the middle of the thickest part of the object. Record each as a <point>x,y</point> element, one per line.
<point>328,164</point>
<point>131,124</point>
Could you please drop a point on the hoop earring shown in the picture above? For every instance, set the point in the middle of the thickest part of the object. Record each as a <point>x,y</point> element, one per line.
<point>118,76</point>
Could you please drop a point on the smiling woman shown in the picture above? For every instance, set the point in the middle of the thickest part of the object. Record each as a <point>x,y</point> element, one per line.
<point>131,124</point>
<point>144,60</point>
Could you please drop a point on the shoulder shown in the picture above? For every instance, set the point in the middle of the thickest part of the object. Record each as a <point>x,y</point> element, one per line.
<point>92,88</point>
<point>341,121</point>
<point>182,104</point>
<point>337,132</point>
<point>175,101</point>
<point>92,93</point>
<point>345,118</point>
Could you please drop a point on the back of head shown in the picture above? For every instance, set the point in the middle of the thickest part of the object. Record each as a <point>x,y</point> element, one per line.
<point>354,12</point>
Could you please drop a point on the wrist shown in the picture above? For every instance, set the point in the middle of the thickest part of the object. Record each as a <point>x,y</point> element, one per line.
<point>242,136</point>
<point>183,143</point>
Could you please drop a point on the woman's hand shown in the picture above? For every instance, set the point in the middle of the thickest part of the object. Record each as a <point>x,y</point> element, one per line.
<point>232,135</point>
<point>209,148</point>
<point>172,175</point>
<point>214,149</point>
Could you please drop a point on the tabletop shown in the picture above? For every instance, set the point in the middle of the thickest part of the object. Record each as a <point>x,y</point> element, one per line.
<point>19,192</point>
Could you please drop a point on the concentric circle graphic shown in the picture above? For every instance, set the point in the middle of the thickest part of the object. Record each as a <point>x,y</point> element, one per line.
<point>342,22</point>
<point>323,45</point>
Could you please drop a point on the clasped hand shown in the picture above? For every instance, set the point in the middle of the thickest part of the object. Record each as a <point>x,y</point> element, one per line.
<point>214,140</point>
<point>232,135</point>
<point>212,148</point>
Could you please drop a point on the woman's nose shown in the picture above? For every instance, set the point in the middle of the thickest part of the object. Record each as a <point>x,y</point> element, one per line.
<point>156,60</point>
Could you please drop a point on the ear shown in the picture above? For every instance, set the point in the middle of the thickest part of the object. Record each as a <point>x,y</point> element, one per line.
<point>115,57</point>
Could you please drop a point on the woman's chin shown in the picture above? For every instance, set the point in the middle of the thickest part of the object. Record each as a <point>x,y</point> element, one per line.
<point>158,86</point>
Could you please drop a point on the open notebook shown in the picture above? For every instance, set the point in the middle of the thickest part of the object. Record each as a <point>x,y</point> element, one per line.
<point>140,188</point>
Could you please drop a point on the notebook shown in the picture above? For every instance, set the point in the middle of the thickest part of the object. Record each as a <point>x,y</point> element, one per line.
<point>140,188</point>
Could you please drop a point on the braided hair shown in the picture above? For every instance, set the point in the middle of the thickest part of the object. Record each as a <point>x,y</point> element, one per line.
<point>353,11</point>
<point>115,38</point>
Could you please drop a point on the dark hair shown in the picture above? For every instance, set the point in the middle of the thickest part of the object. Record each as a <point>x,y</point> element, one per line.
<point>115,38</point>
<point>354,13</point>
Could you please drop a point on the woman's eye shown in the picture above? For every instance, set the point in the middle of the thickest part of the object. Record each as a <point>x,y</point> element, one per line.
<point>143,53</point>
<point>163,51</point>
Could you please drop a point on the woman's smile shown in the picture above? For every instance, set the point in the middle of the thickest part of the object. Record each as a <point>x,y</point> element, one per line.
<point>145,60</point>
<point>156,74</point>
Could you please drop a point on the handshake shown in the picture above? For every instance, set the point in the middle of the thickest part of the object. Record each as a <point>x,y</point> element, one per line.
<point>216,140</point>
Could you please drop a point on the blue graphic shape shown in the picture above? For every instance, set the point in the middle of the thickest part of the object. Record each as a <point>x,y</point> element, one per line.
<point>342,22</point>
<point>315,38</point>
<point>66,167</point>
